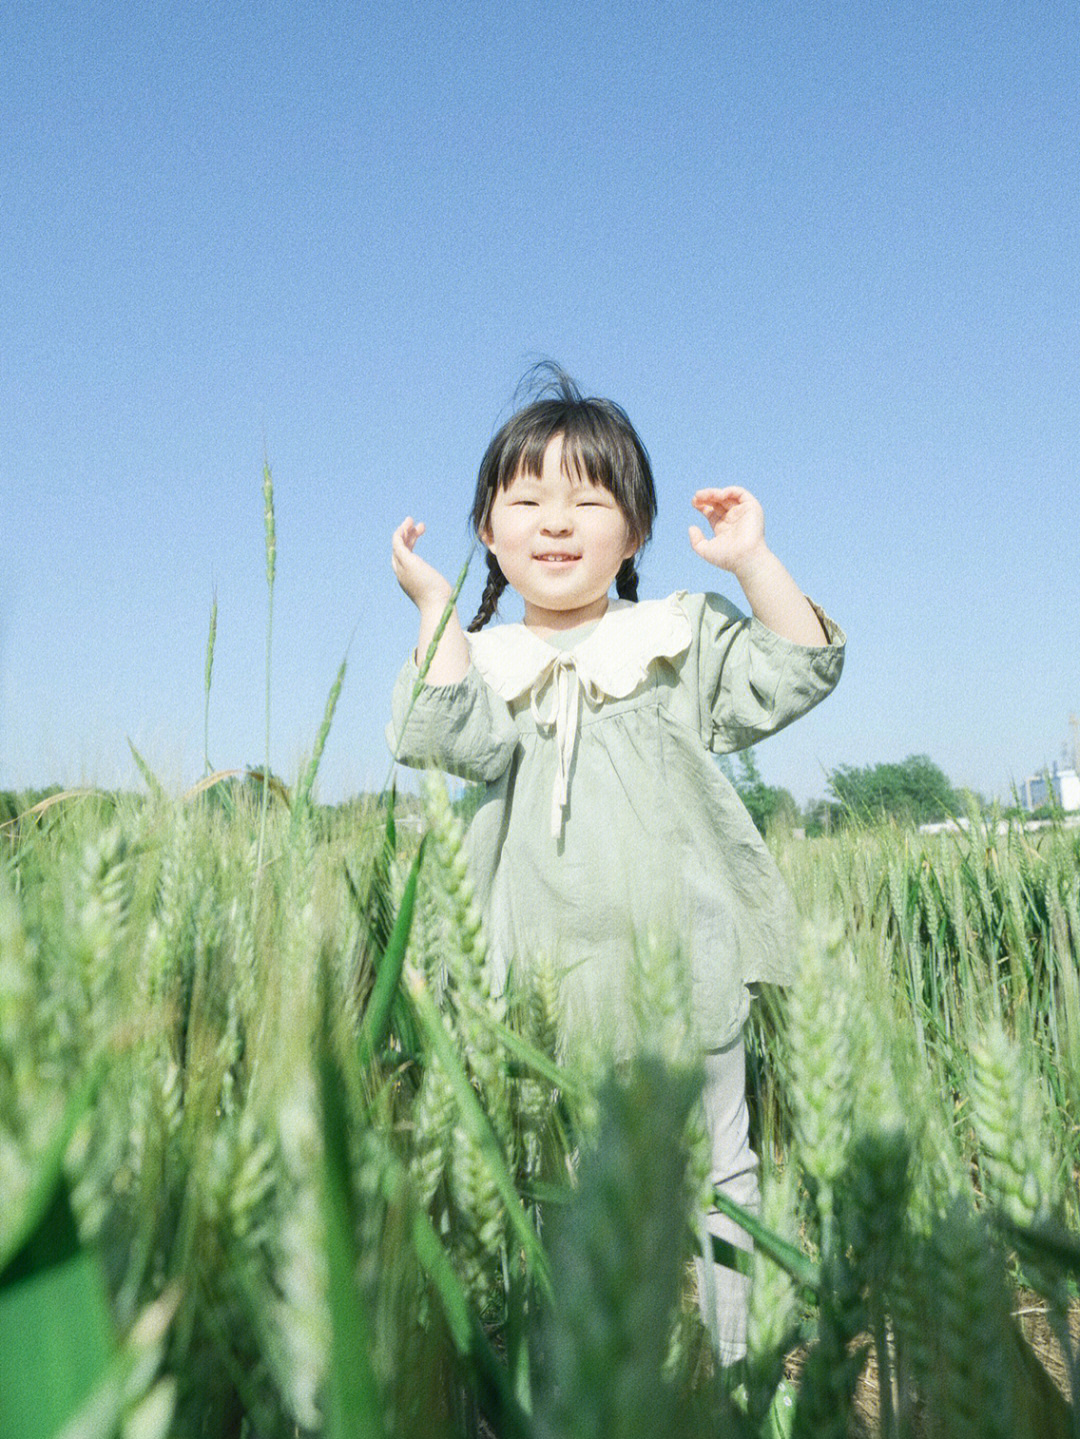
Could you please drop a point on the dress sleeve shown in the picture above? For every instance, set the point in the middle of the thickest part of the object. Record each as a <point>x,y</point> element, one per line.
<point>752,682</point>
<point>464,728</point>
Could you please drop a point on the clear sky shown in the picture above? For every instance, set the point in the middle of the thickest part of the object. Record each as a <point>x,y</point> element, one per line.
<point>830,251</point>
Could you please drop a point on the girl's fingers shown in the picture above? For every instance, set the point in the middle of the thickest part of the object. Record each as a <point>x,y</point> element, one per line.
<point>408,532</point>
<point>718,501</point>
<point>715,514</point>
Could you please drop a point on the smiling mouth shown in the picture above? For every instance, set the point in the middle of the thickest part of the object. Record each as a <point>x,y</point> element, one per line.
<point>556,559</point>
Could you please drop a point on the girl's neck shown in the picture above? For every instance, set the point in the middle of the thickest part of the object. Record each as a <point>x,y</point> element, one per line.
<point>543,623</point>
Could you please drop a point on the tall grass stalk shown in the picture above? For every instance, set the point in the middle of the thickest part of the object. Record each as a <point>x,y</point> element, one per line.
<point>303,792</point>
<point>270,533</point>
<point>616,1257</point>
<point>210,640</point>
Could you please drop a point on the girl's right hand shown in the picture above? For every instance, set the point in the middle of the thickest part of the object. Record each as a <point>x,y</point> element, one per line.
<point>420,581</point>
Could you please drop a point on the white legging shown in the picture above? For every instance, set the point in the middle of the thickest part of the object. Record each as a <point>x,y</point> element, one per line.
<point>723,1292</point>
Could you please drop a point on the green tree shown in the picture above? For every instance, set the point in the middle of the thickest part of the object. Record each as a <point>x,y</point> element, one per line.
<point>821,816</point>
<point>915,791</point>
<point>768,805</point>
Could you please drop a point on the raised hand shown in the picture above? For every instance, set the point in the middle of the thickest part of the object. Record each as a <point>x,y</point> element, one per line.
<point>424,585</point>
<point>738,544</point>
<point>429,592</point>
<point>737,522</point>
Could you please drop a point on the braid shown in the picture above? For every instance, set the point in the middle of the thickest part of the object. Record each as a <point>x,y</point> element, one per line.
<point>626,580</point>
<point>490,598</point>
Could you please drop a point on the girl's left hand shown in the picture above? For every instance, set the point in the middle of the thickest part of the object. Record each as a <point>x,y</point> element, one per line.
<point>738,527</point>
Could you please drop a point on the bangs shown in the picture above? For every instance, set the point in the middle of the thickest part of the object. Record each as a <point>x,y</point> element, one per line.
<point>524,450</point>
<point>599,445</point>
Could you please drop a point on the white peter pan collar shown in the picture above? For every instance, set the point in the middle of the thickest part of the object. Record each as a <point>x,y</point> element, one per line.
<point>610,663</point>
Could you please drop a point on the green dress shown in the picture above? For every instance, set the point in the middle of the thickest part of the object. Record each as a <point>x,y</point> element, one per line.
<point>605,821</point>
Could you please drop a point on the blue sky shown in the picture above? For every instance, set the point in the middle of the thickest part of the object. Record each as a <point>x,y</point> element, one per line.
<point>829,251</point>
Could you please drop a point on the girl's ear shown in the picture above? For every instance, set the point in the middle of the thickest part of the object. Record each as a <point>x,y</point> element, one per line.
<point>485,533</point>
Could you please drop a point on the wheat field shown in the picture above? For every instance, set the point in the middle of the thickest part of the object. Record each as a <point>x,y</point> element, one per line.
<point>309,1173</point>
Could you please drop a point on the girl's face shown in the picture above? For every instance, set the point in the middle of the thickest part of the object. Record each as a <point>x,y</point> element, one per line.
<point>559,542</point>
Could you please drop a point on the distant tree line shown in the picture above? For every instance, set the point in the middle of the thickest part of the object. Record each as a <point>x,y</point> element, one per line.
<point>912,792</point>
<point>915,791</point>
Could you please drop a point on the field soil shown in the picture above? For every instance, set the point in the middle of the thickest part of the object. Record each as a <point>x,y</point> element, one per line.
<point>1030,1313</point>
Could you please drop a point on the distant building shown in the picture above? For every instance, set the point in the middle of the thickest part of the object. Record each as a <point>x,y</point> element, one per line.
<point>1055,786</point>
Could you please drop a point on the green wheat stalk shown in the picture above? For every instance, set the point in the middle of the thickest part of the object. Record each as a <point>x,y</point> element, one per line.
<point>303,793</point>
<point>153,784</point>
<point>271,566</point>
<point>477,1126</point>
<point>210,639</point>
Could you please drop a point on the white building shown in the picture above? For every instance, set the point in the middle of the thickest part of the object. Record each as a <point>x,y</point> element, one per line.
<point>1055,786</point>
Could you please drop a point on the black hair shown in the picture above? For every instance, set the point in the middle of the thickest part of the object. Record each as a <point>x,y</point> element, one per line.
<point>599,443</point>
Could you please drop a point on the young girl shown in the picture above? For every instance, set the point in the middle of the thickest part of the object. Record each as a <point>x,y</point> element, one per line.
<point>592,726</point>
